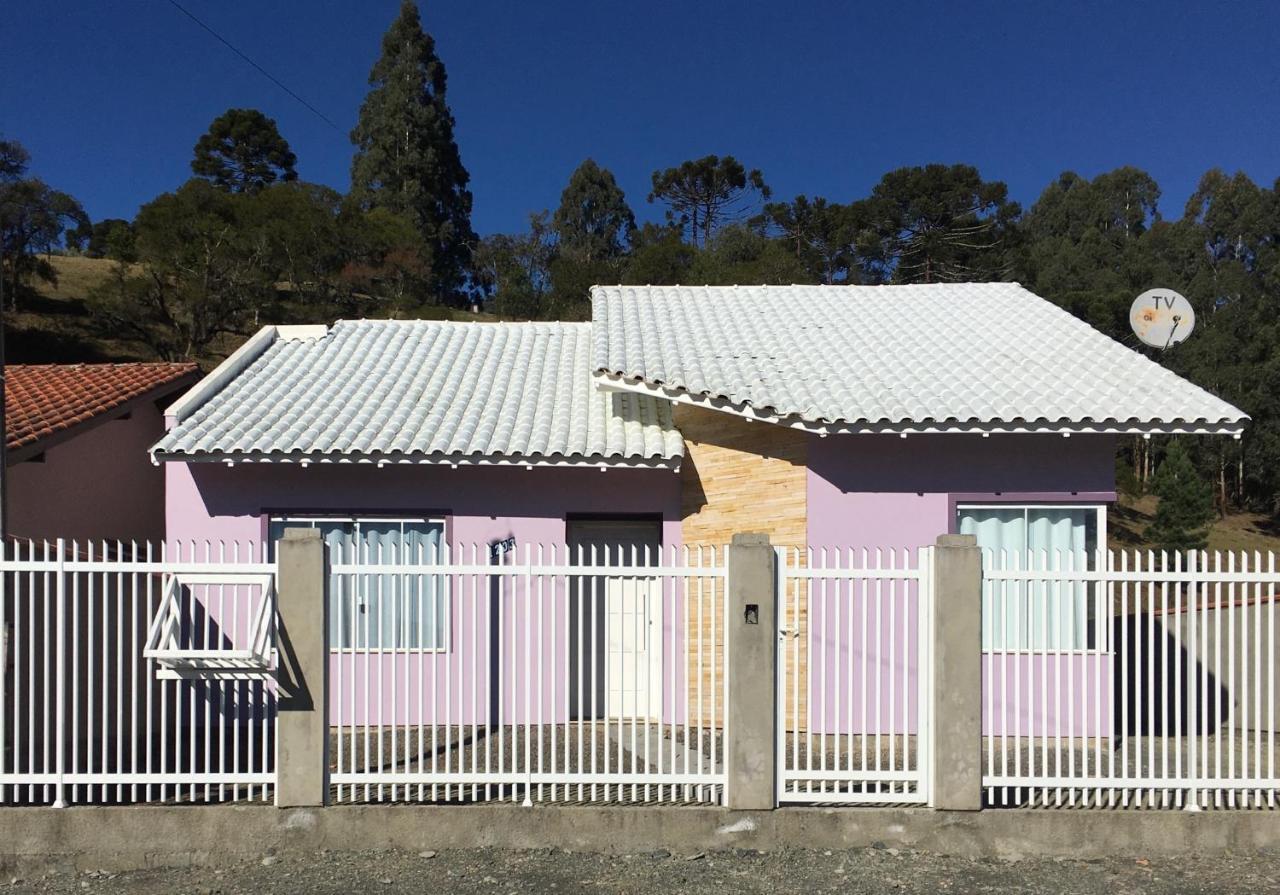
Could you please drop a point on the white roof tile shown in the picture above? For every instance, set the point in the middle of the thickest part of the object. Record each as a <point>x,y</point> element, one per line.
<point>945,357</point>
<point>427,391</point>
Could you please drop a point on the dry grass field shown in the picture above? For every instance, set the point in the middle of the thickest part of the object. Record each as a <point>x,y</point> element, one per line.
<point>1129,518</point>
<point>55,325</point>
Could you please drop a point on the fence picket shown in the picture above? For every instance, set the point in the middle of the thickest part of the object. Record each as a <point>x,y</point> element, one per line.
<point>1172,692</point>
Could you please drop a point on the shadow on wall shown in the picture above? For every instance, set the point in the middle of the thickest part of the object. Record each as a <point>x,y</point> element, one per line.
<point>721,449</point>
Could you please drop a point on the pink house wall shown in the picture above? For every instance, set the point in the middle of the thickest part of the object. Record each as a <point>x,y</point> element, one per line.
<point>893,493</point>
<point>480,505</point>
<point>887,491</point>
<point>868,491</point>
<point>97,484</point>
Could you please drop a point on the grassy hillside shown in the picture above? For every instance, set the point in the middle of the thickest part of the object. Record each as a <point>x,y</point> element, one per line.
<point>55,326</point>
<point>1238,531</point>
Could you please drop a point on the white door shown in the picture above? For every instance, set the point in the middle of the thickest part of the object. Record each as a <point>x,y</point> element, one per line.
<point>627,644</point>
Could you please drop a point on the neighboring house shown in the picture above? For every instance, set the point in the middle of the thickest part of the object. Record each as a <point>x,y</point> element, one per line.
<point>829,417</point>
<point>76,441</point>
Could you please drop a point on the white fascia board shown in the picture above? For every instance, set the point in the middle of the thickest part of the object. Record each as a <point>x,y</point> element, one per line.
<point>235,459</point>
<point>301,331</point>
<point>616,382</point>
<point>223,373</point>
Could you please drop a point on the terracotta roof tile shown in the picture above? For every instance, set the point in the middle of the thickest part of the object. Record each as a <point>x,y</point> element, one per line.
<point>43,399</point>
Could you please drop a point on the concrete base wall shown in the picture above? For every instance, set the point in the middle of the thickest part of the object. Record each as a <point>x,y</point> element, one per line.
<point>32,839</point>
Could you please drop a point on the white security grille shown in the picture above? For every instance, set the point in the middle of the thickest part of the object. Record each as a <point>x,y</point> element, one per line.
<point>854,675</point>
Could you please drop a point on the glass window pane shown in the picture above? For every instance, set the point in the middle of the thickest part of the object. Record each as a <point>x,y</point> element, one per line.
<point>1068,538</point>
<point>391,611</point>
<point>1036,615</point>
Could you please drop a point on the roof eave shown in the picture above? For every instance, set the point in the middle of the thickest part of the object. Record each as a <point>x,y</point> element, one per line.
<point>384,460</point>
<point>23,452</point>
<point>1066,428</point>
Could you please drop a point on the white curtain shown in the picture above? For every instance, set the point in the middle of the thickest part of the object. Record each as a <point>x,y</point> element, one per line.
<point>1037,615</point>
<point>393,611</point>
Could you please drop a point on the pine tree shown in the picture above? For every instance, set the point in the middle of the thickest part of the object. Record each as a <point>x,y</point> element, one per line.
<point>1186,503</point>
<point>406,157</point>
<point>593,221</point>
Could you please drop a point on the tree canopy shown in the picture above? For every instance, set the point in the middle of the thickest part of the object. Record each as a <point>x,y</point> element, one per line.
<point>407,160</point>
<point>593,221</point>
<point>243,151</point>
<point>34,219</point>
<point>940,223</point>
<point>208,263</point>
<point>703,194</point>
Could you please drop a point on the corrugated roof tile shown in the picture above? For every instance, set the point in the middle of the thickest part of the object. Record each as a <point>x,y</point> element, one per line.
<point>427,390</point>
<point>938,357</point>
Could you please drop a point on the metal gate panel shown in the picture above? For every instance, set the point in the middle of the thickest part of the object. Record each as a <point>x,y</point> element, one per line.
<point>854,676</point>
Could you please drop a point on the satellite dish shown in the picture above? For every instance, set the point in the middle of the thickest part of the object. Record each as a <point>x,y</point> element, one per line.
<point>1161,318</point>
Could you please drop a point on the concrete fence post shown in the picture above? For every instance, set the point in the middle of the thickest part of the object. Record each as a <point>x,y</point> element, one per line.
<point>302,639</point>
<point>956,759</point>
<point>751,631</point>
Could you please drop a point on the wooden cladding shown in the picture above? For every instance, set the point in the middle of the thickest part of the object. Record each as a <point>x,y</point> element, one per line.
<point>740,476</point>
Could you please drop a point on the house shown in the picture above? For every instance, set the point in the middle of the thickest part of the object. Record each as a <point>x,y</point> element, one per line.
<point>826,416</point>
<point>830,417</point>
<point>76,437</point>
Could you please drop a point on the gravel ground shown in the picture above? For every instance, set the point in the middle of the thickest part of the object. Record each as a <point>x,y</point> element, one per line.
<point>498,872</point>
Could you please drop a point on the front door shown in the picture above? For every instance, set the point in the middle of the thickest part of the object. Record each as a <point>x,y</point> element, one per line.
<point>621,647</point>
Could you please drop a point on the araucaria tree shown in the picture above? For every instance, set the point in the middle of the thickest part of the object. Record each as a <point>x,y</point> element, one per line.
<point>243,152</point>
<point>942,223</point>
<point>703,194</point>
<point>406,157</point>
<point>1186,503</point>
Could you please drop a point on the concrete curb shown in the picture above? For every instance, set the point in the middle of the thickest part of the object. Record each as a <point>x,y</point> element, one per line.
<point>152,836</point>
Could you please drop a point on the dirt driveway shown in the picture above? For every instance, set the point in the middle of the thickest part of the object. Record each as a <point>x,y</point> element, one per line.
<point>498,872</point>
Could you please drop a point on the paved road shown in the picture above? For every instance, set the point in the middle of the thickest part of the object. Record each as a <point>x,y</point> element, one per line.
<point>496,872</point>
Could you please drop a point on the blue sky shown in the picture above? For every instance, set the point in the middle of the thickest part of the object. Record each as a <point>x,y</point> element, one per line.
<point>824,97</point>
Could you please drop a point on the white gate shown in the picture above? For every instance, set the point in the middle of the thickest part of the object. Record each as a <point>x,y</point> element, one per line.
<point>854,672</point>
<point>547,675</point>
<point>136,673</point>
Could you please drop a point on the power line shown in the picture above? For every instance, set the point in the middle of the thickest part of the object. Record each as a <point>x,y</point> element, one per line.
<point>270,77</point>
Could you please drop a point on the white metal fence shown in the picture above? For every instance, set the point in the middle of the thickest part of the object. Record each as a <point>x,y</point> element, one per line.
<point>139,673</point>
<point>543,674</point>
<point>854,675</point>
<point>1130,680</point>
<point>86,718</point>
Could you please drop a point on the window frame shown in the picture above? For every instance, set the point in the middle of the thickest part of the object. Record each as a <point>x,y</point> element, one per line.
<point>445,640</point>
<point>1026,506</point>
<point>1102,632</point>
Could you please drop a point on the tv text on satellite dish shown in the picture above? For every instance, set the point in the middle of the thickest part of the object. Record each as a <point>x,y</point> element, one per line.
<point>1161,318</point>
